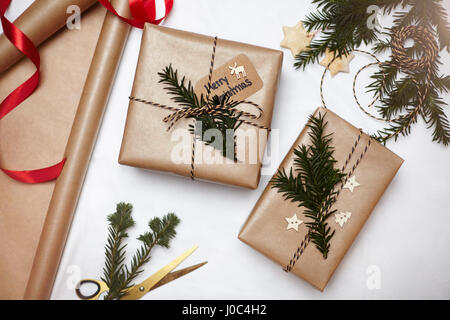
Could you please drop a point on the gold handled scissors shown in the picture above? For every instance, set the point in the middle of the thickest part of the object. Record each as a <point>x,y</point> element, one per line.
<point>159,278</point>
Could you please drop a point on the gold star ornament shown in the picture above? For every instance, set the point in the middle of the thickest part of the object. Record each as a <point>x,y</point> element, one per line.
<point>296,38</point>
<point>293,222</point>
<point>339,64</point>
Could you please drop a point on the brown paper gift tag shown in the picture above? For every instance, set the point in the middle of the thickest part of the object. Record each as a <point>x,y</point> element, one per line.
<point>266,228</point>
<point>237,78</point>
<point>146,141</point>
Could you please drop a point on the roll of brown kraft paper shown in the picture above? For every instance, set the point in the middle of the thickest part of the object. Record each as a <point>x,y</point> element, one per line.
<point>35,135</point>
<point>40,21</point>
<point>78,152</point>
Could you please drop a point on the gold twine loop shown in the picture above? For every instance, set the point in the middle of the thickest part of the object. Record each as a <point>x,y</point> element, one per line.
<point>421,35</point>
<point>403,62</point>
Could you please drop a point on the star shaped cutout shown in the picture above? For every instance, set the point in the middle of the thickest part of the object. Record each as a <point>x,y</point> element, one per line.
<point>296,38</point>
<point>339,64</point>
<point>293,222</point>
<point>351,183</point>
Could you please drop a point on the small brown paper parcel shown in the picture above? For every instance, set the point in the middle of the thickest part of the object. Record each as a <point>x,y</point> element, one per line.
<point>373,167</point>
<point>160,135</point>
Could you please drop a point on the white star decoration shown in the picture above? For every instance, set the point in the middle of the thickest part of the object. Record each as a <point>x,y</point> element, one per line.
<point>351,183</point>
<point>342,217</point>
<point>293,222</point>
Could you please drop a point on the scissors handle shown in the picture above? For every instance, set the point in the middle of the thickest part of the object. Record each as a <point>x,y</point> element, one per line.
<point>93,296</point>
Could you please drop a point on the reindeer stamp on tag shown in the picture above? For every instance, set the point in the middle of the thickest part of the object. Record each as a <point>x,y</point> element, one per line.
<point>238,71</point>
<point>237,78</point>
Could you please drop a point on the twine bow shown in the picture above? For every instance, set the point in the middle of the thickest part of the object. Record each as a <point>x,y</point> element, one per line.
<point>209,106</point>
<point>214,107</point>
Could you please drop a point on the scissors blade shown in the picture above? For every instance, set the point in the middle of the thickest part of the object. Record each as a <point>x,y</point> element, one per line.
<point>141,289</point>
<point>177,274</point>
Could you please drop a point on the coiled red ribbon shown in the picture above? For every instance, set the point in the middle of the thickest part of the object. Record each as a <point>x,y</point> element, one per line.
<point>21,42</point>
<point>142,11</point>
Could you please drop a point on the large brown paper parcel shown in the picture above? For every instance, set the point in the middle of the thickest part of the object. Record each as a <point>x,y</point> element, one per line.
<point>60,119</point>
<point>265,229</point>
<point>148,144</point>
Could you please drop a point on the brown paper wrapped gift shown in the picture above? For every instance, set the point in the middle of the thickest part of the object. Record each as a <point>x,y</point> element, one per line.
<point>147,142</point>
<point>265,229</point>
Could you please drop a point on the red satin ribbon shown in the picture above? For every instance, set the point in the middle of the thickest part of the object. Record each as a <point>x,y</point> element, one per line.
<point>142,11</point>
<point>37,176</point>
<point>15,98</point>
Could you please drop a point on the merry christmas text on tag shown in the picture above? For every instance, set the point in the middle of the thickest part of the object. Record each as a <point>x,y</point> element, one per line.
<point>237,78</point>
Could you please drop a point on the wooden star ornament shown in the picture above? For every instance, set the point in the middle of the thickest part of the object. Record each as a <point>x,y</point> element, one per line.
<point>293,222</point>
<point>339,64</point>
<point>351,184</point>
<point>296,38</point>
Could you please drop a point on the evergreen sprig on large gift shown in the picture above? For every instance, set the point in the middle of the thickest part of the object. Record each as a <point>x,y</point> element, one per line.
<point>117,276</point>
<point>344,28</point>
<point>226,121</point>
<point>311,183</point>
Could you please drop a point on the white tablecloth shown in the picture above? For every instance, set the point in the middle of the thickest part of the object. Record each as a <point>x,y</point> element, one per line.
<point>402,251</point>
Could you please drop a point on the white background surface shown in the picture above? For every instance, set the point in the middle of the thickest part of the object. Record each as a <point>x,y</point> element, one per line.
<point>407,236</point>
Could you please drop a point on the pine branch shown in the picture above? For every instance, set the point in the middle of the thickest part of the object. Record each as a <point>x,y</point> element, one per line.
<point>119,223</point>
<point>389,5</point>
<point>220,126</point>
<point>208,127</point>
<point>442,83</point>
<point>117,276</point>
<point>435,118</point>
<point>344,29</point>
<point>398,98</point>
<point>430,14</point>
<point>162,231</point>
<point>439,18</point>
<point>313,183</point>
<point>184,96</point>
<point>397,127</point>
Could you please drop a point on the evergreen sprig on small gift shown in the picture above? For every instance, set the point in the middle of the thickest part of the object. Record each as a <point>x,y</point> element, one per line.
<point>117,276</point>
<point>208,127</point>
<point>344,25</point>
<point>311,183</point>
